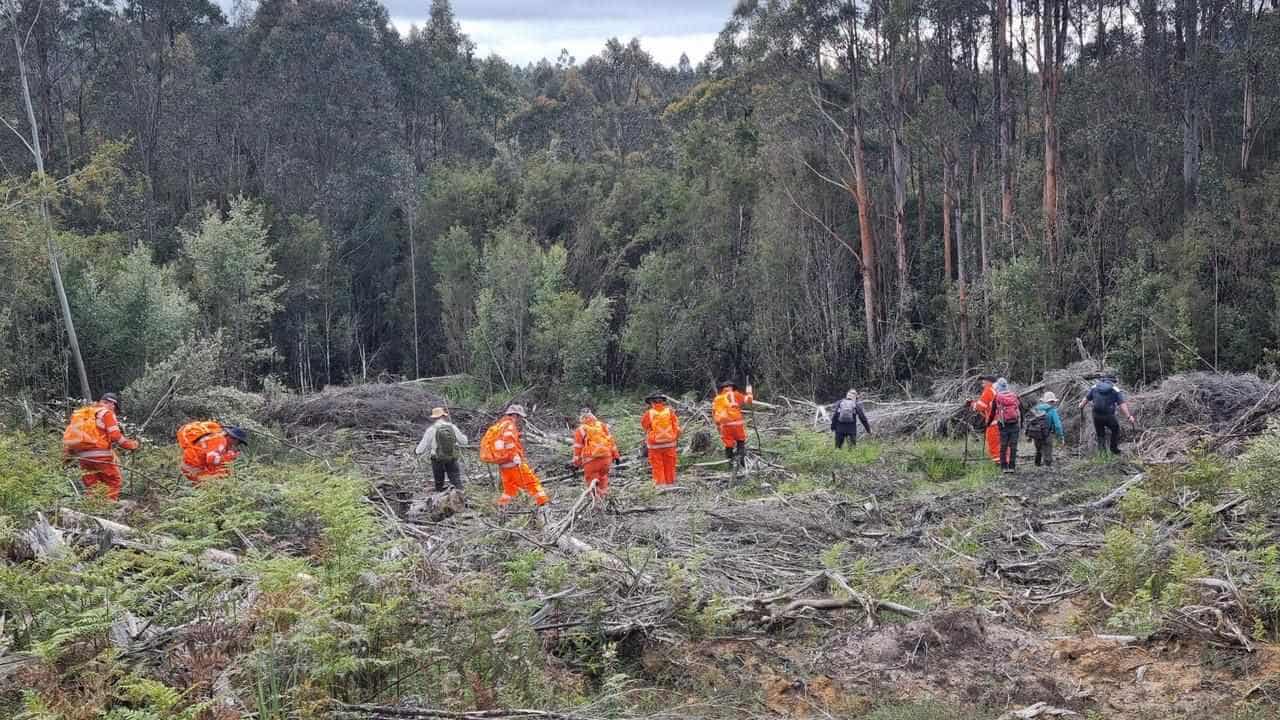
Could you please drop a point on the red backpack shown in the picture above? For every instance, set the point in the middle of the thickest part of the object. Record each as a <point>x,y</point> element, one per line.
<point>1008,407</point>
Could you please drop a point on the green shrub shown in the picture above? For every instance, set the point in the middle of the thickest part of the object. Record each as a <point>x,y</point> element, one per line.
<point>1256,470</point>
<point>1204,522</point>
<point>1125,563</point>
<point>925,710</point>
<point>30,480</point>
<point>814,452</point>
<point>936,463</point>
<point>1138,505</point>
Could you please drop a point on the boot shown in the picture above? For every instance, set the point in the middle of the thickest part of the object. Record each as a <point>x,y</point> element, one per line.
<point>742,455</point>
<point>728,454</point>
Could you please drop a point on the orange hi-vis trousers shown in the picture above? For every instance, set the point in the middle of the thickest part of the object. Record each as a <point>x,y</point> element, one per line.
<point>104,470</point>
<point>521,477</point>
<point>663,463</point>
<point>597,469</point>
<point>733,433</point>
<point>993,441</point>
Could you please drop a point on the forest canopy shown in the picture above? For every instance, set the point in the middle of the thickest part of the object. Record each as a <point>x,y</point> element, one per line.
<point>867,192</point>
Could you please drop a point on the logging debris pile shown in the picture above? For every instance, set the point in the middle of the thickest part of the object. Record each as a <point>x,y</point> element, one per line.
<point>858,581</point>
<point>387,406</point>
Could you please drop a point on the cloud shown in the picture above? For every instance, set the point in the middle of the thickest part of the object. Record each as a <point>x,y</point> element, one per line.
<point>527,40</point>
<point>700,11</point>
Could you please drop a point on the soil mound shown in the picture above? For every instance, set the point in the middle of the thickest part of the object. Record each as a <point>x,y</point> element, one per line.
<point>965,653</point>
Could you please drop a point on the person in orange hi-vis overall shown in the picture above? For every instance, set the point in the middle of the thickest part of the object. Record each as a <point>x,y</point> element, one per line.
<point>983,407</point>
<point>513,465</point>
<point>210,449</point>
<point>594,450</point>
<point>662,431</point>
<point>726,410</point>
<point>90,436</point>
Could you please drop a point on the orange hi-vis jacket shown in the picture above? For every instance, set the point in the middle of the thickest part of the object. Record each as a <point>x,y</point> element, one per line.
<point>109,435</point>
<point>726,409</point>
<point>509,442</point>
<point>983,406</point>
<point>661,427</point>
<point>593,441</point>
<point>208,457</point>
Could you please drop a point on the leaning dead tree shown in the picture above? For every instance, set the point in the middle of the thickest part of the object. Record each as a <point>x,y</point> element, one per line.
<point>11,15</point>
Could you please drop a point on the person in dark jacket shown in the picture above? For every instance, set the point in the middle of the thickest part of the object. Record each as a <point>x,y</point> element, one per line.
<point>1006,412</point>
<point>845,416</point>
<point>1106,399</point>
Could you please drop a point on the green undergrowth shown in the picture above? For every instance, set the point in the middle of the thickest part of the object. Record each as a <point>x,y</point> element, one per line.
<point>1148,567</point>
<point>940,466</point>
<point>807,451</point>
<point>324,602</point>
<point>925,710</point>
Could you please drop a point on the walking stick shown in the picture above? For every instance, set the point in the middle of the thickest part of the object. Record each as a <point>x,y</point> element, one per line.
<point>128,466</point>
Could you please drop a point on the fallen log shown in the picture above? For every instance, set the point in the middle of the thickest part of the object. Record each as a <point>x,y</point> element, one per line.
<point>114,534</point>
<point>1114,496</point>
<point>38,542</point>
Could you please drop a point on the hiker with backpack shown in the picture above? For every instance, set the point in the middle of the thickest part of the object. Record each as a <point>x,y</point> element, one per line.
<point>594,451</point>
<point>726,411</point>
<point>502,446</point>
<point>91,433</point>
<point>845,415</point>
<point>982,406</point>
<point>661,432</point>
<point>1106,398</point>
<point>208,449</point>
<point>1006,414</point>
<point>1042,425</point>
<point>440,442</point>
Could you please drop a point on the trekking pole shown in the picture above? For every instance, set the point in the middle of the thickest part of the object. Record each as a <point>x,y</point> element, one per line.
<point>127,467</point>
<point>173,385</point>
<point>754,428</point>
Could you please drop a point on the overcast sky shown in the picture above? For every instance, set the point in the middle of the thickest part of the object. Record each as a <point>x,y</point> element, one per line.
<point>525,31</point>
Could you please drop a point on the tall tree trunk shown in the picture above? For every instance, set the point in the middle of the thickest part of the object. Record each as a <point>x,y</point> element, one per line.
<point>1000,65</point>
<point>413,278</point>
<point>866,232</point>
<point>1190,20</point>
<point>1249,105</point>
<point>54,266</point>
<point>1053,35</point>
<point>900,221</point>
<point>948,268</point>
<point>862,194</point>
<point>962,283</point>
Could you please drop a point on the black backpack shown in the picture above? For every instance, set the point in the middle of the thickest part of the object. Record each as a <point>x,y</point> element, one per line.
<point>1038,426</point>
<point>1105,399</point>
<point>446,444</point>
<point>846,411</point>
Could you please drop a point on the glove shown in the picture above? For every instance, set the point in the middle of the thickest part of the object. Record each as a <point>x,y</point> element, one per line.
<point>617,462</point>
<point>129,444</point>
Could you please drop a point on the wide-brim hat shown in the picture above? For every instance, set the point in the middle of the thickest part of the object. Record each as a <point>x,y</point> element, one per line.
<point>111,398</point>
<point>655,396</point>
<point>239,433</point>
<point>1048,397</point>
<point>437,413</point>
<point>727,383</point>
<point>987,377</point>
<point>516,410</point>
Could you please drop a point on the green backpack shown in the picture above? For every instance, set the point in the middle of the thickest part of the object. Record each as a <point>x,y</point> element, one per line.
<point>446,444</point>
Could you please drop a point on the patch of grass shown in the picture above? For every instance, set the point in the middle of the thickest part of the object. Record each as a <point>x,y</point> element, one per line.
<point>925,710</point>
<point>808,451</point>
